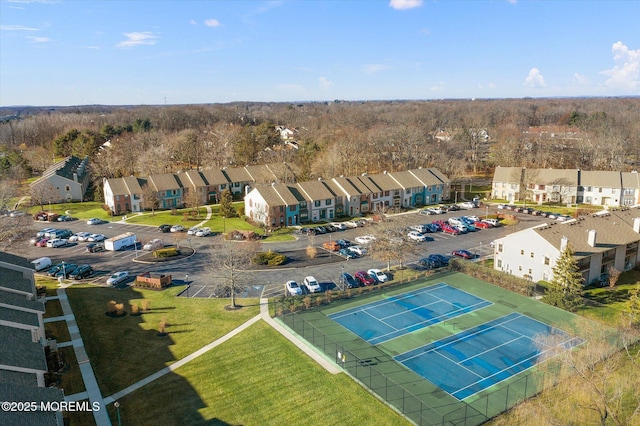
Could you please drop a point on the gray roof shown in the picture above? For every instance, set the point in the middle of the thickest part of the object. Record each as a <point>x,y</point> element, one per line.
<point>347,186</point>
<point>562,177</point>
<point>125,186</point>
<point>237,174</point>
<point>14,280</point>
<point>66,168</point>
<point>270,195</point>
<point>427,177</point>
<point>507,174</point>
<point>18,378</point>
<point>20,301</point>
<point>165,182</point>
<point>15,260</point>
<point>601,179</point>
<point>366,184</point>
<point>384,182</point>
<point>438,174</point>
<point>192,178</point>
<point>314,190</point>
<point>614,228</point>
<point>630,179</point>
<point>285,193</point>
<point>19,317</point>
<point>21,352</point>
<point>16,392</point>
<point>261,174</point>
<point>215,177</point>
<point>406,179</point>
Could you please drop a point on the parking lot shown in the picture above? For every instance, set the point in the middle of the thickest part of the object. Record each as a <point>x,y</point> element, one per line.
<point>196,270</point>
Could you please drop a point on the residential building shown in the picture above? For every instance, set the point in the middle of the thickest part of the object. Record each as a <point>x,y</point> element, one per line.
<point>602,188</point>
<point>217,182</point>
<point>123,194</point>
<point>64,181</point>
<point>437,186</point>
<point>23,364</point>
<point>320,200</point>
<point>193,180</point>
<point>169,188</point>
<point>600,241</point>
<point>352,197</point>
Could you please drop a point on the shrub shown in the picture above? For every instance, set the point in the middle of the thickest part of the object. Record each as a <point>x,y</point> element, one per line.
<point>269,258</point>
<point>111,306</point>
<point>312,252</point>
<point>119,308</point>
<point>135,309</point>
<point>146,305</point>
<point>166,252</point>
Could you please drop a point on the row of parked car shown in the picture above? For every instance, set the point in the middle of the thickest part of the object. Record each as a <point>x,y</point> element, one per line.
<point>359,279</point>
<point>534,212</point>
<point>333,227</point>
<point>70,270</point>
<point>53,237</point>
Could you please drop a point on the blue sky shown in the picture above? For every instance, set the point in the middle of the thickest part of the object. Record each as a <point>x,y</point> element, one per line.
<point>58,52</point>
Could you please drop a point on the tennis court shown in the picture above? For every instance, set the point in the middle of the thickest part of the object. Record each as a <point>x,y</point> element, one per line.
<point>473,360</point>
<point>395,316</point>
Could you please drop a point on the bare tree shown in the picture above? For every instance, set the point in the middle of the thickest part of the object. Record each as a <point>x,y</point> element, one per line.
<point>230,263</point>
<point>150,199</point>
<point>614,276</point>
<point>43,193</point>
<point>391,243</point>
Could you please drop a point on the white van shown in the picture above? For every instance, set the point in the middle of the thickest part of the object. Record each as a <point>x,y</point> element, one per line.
<point>153,245</point>
<point>41,263</point>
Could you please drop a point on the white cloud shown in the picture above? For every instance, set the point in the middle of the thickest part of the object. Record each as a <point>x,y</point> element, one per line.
<point>534,79</point>
<point>34,39</point>
<point>374,68</point>
<point>325,83</point>
<point>626,72</point>
<point>137,38</point>
<point>212,22</point>
<point>16,28</point>
<point>405,4</point>
<point>193,22</point>
<point>581,80</point>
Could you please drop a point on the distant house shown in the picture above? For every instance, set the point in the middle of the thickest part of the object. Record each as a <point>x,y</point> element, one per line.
<point>123,194</point>
<point>602,188</point>
<point>23,364</point>
<point>320,200</point>
<point>217,182</point>
<point>193,181</point>
<point>66,180</point>
<point>239,180</point>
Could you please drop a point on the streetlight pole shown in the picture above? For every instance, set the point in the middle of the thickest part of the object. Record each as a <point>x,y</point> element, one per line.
<point>342,275</point>
<point>486,216</point>
<point>117,405</point>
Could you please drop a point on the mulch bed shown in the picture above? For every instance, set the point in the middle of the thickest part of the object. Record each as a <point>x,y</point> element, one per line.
<point>299,259</point>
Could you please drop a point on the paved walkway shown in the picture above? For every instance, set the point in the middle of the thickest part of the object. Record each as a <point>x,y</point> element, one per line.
<point>181,362</point>
<point>90,383</point>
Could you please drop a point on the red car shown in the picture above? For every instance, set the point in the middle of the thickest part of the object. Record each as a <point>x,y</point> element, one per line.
<point>364,278</point>
<point>448,229</point>
<point>465,254</point>
<point>481,224</point>
<point>42,242</point>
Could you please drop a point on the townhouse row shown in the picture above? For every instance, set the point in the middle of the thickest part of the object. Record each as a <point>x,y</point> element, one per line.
<point>124,195</point>
<point>566,186</point>
<point>325,199</point>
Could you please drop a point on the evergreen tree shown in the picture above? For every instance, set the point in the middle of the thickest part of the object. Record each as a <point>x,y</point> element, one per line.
<point>633,307</point>
<point>565,289</point>
<point>226,206</point>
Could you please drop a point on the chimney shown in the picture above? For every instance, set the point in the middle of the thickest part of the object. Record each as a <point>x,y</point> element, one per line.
<point>591,239</point>
<point>75,177</point>
<point>636,225</point>
<point>563,243</point>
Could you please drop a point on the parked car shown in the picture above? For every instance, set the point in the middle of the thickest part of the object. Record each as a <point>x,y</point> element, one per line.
<point>43,232</point>
<point>344,243</point>
<point>164,228</point>
<point>95,247</point>
<point>416,236</point>
<point>465,254</point>
<point>54,270</point>
<point>117,278</point>
<point>154,244</point>
<point>364,278</point>
<point>177,228</point>
<point>339,225</point>
<point>57,242</point>
<point>429,263</point>
<point>331,245</point>
<point>494,222</point>
<point>444,260</point>
<point>66,270</point>
<point>378,275</point>
<point>82,271</point>
<point>427,211</point>
<point>563,218</point>
<point>360,251</point>
<point>419,228</point>
<point>293,288</point>
<point>448,229</point>
<point>95,221</point>
<point>193,230</point>
<point>35,240</point>
<point>348,281</point>
<point>94,238</point>
<point>203,232</point>
<point>42,242</point>
<point>82,236</point>
<point>351,224</point>
<point>347,253</point>
<point>365,239</point>
<point>312,285</point>
<point>66,218</point>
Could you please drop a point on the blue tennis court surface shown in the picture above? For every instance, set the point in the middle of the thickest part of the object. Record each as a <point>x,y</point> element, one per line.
<point>398,315</point>
<point>473,360</point>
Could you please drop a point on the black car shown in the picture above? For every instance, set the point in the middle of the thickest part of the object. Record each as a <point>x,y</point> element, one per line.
<point>164,228</point>
<point>348,280</point>
<point>66,270</point>
<point>95,247</point>
<point>82,271</point>
<point>53,271</point>
<point>444,260</point>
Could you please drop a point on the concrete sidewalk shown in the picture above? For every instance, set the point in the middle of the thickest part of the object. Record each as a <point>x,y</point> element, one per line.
<point>264,314</point>
<point>88,377</point>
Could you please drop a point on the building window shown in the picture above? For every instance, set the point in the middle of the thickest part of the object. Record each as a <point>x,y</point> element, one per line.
<point>223,186</point>
<point>408,191</point>
<point>68,188</point>
<point>117,198</point>
<point>530,271</point>
<point>386,193</point>
<point>547,260</point>
<point>375,196</point>
<point>499,264</point>
<point>281,209</point>
<point>327,202</point>
<point>522,252</point>
<point>174,192</point>
<point>316,203</point>
<point>303,204</point>
<point>500,248</point>
<point>292,208</point>
<point>532,255</point>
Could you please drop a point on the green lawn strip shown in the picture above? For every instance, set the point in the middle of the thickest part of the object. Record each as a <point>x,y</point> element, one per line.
<point>125,350</point>
<point>57,330</point>
<point>607,304</point>
<point>257,378</point>
<point>82,211</point>
<point>53,309</point>
<point>71,379</point>
<point>51,284</point>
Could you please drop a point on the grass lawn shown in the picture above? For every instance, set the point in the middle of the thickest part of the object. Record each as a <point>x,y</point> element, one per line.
<point>125,350</point>
<point>71,380</point>
<point>607,304</point>
<point>53,309</point>
<point>257,378</point>
<point>57,330</point>
<point>82,211</point>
